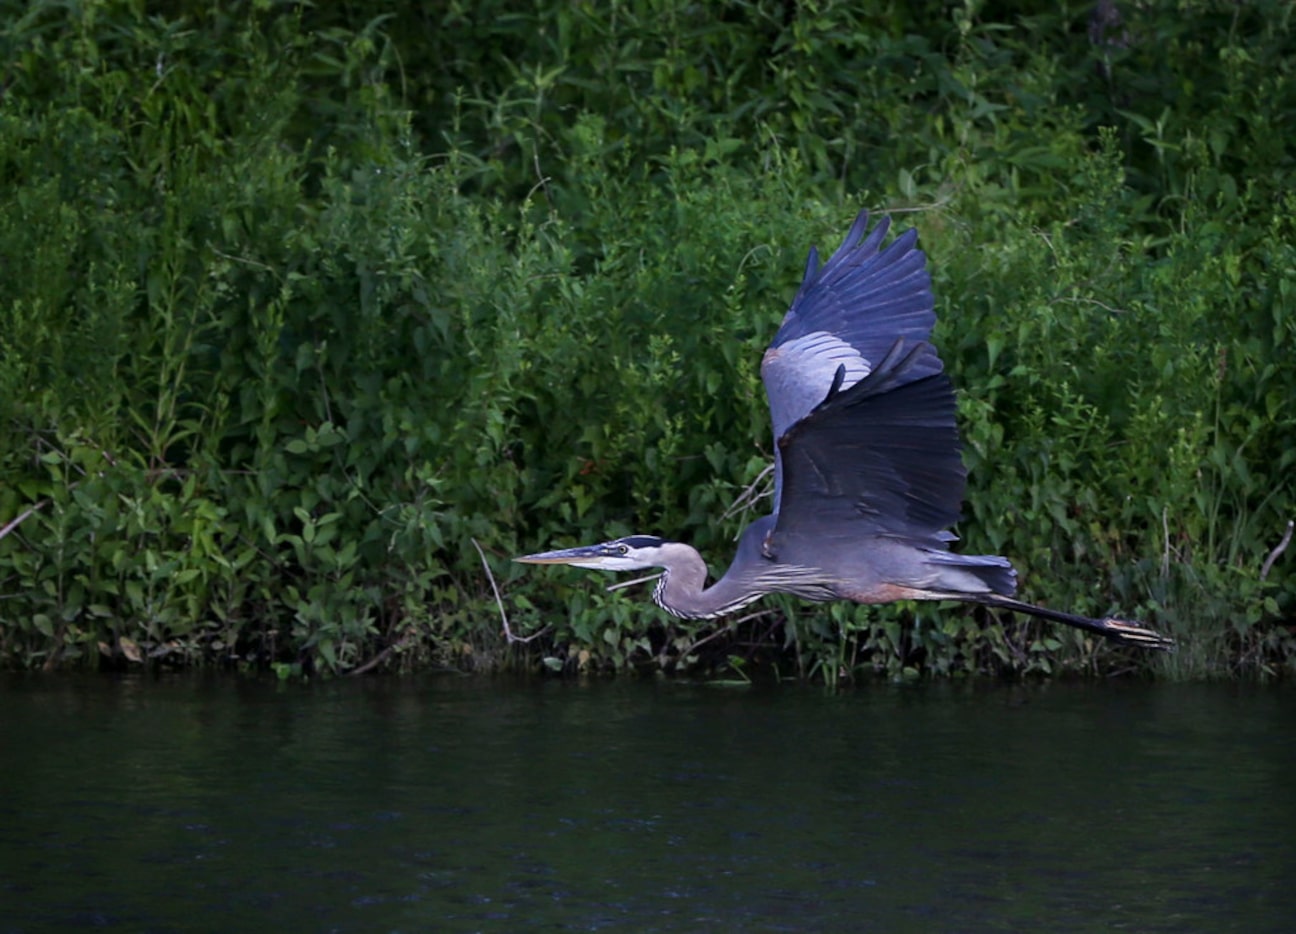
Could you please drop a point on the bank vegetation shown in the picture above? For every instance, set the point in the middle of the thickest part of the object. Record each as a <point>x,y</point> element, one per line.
<point>301,303</point>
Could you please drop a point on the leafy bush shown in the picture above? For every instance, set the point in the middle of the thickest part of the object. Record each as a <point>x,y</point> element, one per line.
<point>302,303</point>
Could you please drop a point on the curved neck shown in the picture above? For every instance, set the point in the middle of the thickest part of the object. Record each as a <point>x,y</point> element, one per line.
<point>682,591</point>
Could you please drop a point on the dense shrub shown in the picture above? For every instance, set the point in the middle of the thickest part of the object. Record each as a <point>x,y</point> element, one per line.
<point>300,303</point>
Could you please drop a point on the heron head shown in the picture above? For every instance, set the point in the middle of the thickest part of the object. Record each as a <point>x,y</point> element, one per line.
<point>632,553</point>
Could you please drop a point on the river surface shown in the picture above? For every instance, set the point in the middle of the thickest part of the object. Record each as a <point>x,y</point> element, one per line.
<point>458,804</point>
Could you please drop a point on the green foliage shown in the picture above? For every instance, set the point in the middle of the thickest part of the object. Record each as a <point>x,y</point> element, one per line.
<point>300,302</point>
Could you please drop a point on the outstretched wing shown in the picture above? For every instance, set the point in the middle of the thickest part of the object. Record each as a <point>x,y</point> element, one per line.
<point>845,318</point>
<point>879,458</point>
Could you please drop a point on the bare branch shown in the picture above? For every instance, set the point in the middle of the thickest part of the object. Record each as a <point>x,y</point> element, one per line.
<point>499,601</point>
<point>10,526</point>
<point>727,629</point>
<point>638,580</point>
<point>749,497</point>
<point>382,656</point>
<point>1278,550</point>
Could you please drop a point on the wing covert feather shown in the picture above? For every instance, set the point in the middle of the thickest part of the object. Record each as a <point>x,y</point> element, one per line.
<point>846,316</point>
<point>881,457</point>
<point>849,312</point>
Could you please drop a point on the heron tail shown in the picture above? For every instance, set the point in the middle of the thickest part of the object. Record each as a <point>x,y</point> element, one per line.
<point>973,575</point>
<point>1118,630</point>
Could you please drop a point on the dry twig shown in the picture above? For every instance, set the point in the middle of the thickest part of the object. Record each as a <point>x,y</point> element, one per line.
<point>10,526</point>
<point>1277,552</point>
<point>750,497</point>
<point>726,629</point>
<point>499,601</point>
<point>638,580</point>
<point>382,656</point>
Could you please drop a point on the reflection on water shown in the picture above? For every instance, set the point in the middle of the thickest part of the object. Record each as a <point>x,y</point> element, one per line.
<point>457,804</point>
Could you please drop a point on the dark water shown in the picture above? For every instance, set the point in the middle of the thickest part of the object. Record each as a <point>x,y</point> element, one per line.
<point>461,805</point>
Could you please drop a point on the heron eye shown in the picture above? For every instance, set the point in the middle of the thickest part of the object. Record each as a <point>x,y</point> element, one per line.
<point>624,549</point>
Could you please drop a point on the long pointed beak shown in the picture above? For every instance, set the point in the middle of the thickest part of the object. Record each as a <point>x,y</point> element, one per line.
<point>565,555</point>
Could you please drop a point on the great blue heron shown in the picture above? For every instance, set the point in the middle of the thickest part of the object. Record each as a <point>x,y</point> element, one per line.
<point>868,472</point>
